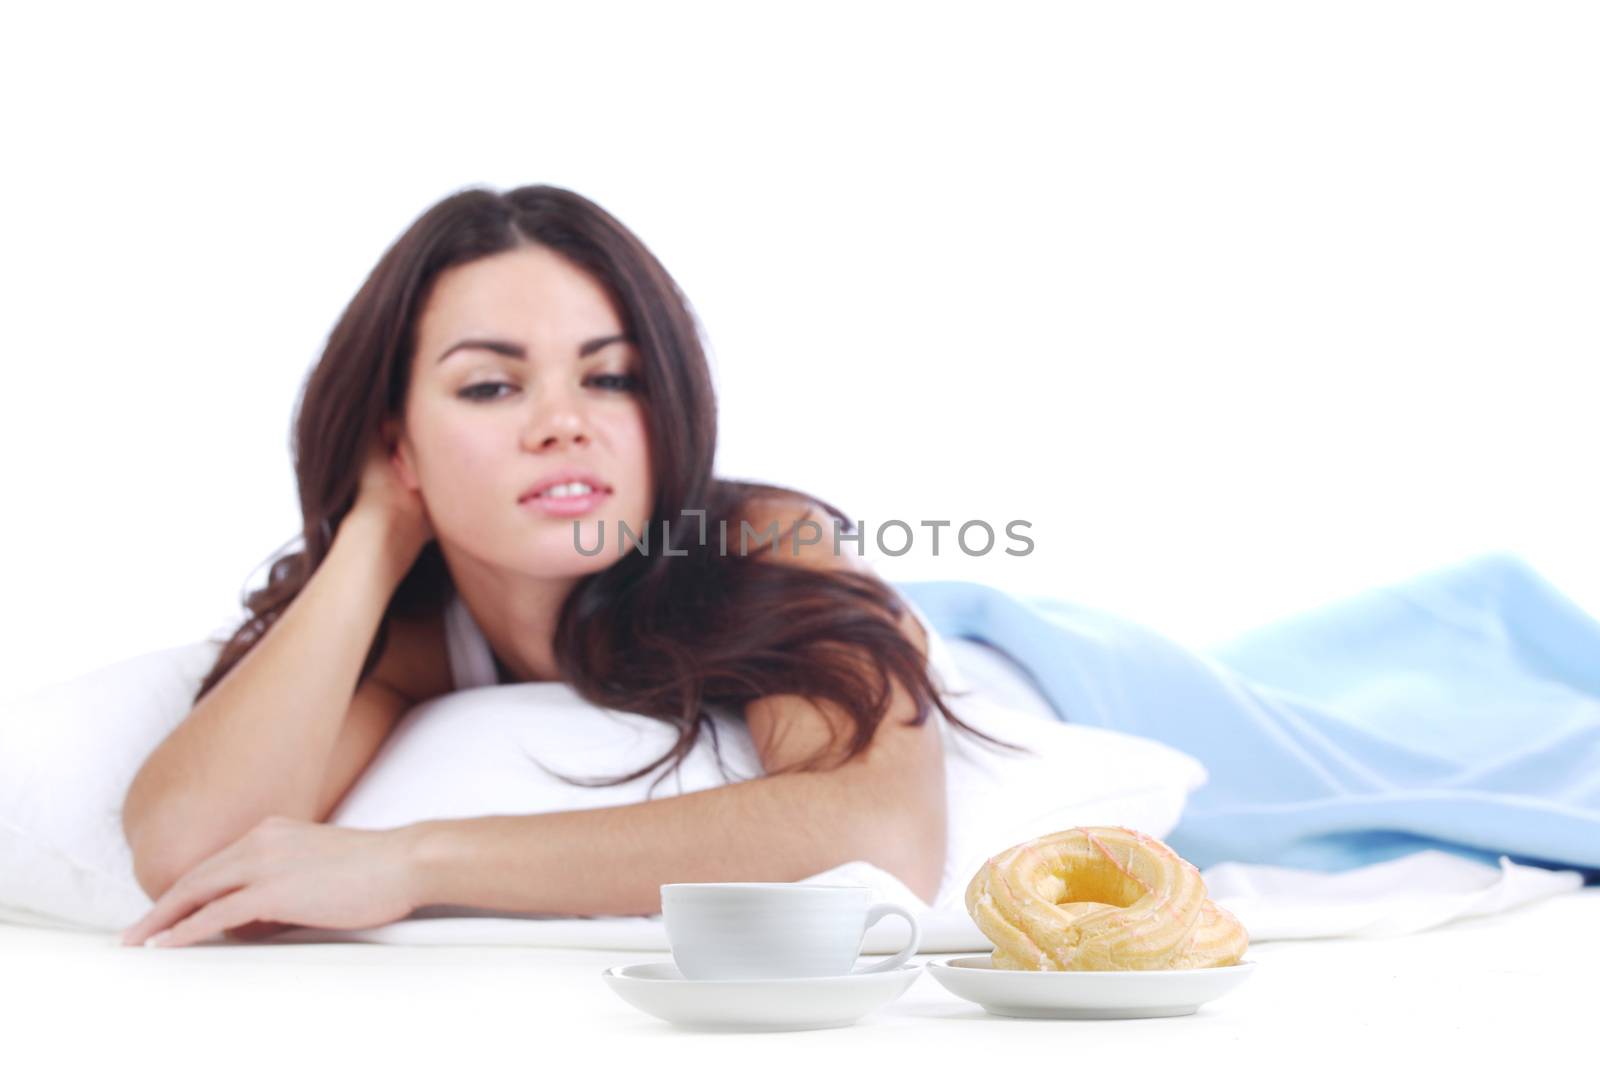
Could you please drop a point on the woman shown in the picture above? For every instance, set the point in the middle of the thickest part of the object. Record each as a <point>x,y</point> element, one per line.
<point>516,410</point>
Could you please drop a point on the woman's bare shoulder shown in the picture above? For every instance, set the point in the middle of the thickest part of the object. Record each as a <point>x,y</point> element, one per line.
<point>416,658</point>
<point>784,507</point>
<point>775,528</point>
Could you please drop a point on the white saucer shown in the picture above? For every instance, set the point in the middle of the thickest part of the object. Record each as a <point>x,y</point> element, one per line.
<point>756,1003</point>
<point>1086,994</point>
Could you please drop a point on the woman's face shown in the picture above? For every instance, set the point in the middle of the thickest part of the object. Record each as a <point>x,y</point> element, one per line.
<point>482,426</point>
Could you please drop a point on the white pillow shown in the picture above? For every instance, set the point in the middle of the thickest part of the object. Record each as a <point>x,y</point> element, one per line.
<point>68,754</point>
<point>998,676</point>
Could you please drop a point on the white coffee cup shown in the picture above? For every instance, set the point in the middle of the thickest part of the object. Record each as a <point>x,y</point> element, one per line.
<point>774,929</point>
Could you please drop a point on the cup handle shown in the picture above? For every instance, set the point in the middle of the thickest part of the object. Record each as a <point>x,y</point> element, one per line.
<point>880,911</point>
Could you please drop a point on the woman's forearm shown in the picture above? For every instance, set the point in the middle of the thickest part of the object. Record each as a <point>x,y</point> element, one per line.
<point>613,861</point>
<point>258,743</point>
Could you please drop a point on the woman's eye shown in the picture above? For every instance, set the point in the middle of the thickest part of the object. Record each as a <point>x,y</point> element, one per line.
<point>620,382</point>
<point>475,392</point>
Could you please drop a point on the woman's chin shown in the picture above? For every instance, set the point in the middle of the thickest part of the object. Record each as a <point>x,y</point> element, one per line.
<point>560,561</point>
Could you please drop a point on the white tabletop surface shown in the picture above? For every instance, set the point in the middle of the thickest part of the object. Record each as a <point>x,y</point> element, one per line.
<point>1515,983</point>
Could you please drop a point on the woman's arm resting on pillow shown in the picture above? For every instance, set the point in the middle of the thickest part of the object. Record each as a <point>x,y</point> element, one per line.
<point>613,861</point>
<point>886,806</point>
<point>605,861</point>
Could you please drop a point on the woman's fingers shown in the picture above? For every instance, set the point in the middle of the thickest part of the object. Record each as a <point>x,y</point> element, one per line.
<point>204,882</point>
<point>235,909</point>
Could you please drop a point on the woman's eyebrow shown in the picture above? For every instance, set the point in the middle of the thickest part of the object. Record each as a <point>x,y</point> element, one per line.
<point>512,350</point>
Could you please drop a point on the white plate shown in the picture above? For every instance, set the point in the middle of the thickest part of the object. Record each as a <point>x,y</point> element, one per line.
<point>1086,994</point>
<point>756,1003</point>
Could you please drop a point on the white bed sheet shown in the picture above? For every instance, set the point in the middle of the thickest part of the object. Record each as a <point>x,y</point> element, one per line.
<point>1399,896</point>
<point>1518,982</point>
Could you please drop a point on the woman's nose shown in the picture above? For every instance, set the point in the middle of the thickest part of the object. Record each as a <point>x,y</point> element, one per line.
<point>557,419</point>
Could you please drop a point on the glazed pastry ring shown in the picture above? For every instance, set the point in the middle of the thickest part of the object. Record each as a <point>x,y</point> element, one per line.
<point>1100,898</point>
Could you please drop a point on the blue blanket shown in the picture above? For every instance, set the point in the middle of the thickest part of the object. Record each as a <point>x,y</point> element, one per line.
<point>1458,710</point>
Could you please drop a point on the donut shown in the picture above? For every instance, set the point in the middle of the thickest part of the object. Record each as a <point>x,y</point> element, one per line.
<point>1100,898</point>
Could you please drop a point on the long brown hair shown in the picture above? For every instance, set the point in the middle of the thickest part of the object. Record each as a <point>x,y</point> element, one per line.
<point>658,633</point>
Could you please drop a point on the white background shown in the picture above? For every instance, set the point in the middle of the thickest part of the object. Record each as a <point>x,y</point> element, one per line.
<point>1243,306</point>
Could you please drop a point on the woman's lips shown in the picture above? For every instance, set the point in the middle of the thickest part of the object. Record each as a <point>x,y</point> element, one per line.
<point>567,506</point>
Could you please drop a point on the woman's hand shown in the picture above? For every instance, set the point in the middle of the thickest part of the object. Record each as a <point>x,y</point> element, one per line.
<point>396,507</point>
<point>283,873</point>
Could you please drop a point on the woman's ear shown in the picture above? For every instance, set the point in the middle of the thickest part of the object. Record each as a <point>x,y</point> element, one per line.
<point>398,445</point>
